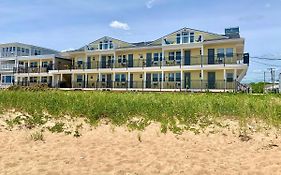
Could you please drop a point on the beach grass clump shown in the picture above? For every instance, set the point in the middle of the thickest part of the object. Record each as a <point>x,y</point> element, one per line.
<point>37,136</point>
<point>174,111</point>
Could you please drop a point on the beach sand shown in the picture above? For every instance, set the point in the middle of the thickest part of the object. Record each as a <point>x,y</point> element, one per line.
<point>114,150</point>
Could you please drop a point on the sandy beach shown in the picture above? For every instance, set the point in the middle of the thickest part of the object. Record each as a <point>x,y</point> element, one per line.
<point>115,150</point>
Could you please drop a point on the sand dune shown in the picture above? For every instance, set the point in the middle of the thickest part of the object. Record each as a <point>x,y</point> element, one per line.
<point>114,150</point>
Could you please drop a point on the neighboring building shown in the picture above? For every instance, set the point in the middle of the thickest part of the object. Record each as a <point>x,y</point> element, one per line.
<point>10,53</point>
<point>185,60</point>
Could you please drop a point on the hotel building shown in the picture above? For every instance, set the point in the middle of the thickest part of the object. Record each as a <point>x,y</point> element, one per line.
<point>185,60</point>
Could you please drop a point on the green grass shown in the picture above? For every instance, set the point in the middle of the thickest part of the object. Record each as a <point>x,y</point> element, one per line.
<point>170,109</point>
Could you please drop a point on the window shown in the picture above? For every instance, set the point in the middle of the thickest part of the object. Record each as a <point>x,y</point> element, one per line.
<point>120,77</point>
<point>156,57</point>
<point>178,76</point>
<point>79,78</point>
<point>103,78</point>
<point>22,50</point>
<point>229,77</point>
<point>44,79</point>
<point>155,77</point>
<point>171,56</point>
<point>161,56</point>
<point>171,77</point>
<point>105,45</point>
<point>220,53</point>
<point>117,77</point>
<point>119,59</point>
<point>100,45</point>
<point>33,64</point>
<point>33,79</point>
<point>229,52</point>
<point>178,56</point>
<point>45,64</point>
<point>178,38</point>
<point>192,37</point>
<point>80,61</point>
<point>185,37</point>
<point>110,45</point>
<point>124,59</point>
<point>123,77</point>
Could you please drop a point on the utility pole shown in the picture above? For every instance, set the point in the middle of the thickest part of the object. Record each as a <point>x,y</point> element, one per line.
<point>272,73</point>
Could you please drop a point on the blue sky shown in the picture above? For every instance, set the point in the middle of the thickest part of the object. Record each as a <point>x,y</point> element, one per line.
<point>65,24</point>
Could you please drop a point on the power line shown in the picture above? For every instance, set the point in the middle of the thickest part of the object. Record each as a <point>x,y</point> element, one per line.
<point>265,63</point>
<point>264,58</point>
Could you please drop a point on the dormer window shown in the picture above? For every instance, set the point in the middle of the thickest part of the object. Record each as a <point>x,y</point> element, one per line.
<point>185,37</point>
<point>110,45</point>
<point>178,38</point>
<point>105,45</point>
<point>191,37</point>
<point>100,45</point>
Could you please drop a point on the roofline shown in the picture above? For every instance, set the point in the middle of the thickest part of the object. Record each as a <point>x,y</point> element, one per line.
<point>30,45</point>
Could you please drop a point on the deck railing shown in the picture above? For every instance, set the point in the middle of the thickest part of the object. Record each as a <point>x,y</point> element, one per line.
<point>150,85</point>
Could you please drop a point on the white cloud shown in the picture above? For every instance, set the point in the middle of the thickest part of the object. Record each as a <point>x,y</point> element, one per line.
<point>66,50</point>
<point>119,25</point>
<point>149,4</point>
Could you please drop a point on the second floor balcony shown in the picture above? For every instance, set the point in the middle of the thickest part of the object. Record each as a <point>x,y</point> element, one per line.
<point>179,61</point>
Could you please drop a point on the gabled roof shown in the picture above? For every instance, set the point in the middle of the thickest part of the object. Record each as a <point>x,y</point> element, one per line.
<point>186,28</point>
<point>28,45</point>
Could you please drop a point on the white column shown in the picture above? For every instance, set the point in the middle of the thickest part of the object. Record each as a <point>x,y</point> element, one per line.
<point>99,63</point>
<point>182,56</point>
<point>163,57</point>
<point>182,87</point>
<point>86,80</point>
<point>40,65</point>
<point>129,78</point>
<point>202,78</point>
<point>235,74</point>
<point>224,74</point>
<point>60,77</point>
<point>113,79</point>
<point>72,80</point>
<point>162,80</point>
<point>144,80</point>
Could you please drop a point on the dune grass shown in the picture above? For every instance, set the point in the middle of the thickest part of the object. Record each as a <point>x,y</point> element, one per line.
<point>137,110</point>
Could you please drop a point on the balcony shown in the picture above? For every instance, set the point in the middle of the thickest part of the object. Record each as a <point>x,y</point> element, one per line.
<point>23,69</point>
<point>7,67</point>
<point>199,85</point>
<point>178,61</point>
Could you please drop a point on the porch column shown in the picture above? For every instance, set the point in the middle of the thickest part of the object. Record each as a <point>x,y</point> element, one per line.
<point>202,78</point>
<point>99,63</point>
<point>202,55</point>
<point>182,87</point>
<point>113,79</point>
<point>129,78</point>
<point>99,78</point>
<point>224,74</point>
<point>72,80</point>
<point>40,65</point>
<point>114,59</point>
<point>86,80</point>
<point>28,66</point>
<point>162,80</point>
<point>182,57</point>
<point>60,77</point>
<point>163,57</point>
<point>235,74</point>
<point>144,80</point>
<point>40,79</point>
<point>53,81</point>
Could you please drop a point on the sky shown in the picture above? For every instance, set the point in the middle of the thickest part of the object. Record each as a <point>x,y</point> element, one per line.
<point>71,24</point>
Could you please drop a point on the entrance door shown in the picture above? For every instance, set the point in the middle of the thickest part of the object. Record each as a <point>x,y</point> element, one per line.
<point>148,80</point>
<point>187,81</point>
<point>211,56</point>
<point>211,80</point>
<point>109,81</point>
<point>131,80</point>
<point>148,59</point>
<point>187,57</point>
<point>130,60</point>
<point>103,62</point>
